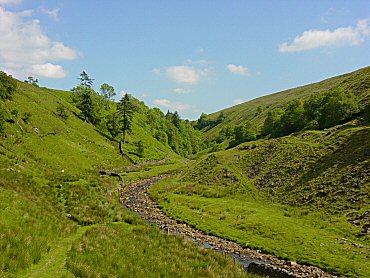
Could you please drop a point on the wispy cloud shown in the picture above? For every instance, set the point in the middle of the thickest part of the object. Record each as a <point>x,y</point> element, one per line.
<point>173,105</point>
<point>186,74</point>
<point>238,69</point>
<point>182,91</point>
<point>156,71</point>
<point>53,13</point>
<point>27,50</point>
<point>10,2</point>
<point>198,62</point>
<point>343,36</point>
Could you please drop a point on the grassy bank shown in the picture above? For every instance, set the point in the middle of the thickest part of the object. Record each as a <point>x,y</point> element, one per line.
<point>294,197</point>
<point>123,250</point>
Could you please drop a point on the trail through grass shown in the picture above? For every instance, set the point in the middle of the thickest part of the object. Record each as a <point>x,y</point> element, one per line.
<point>53,263</point>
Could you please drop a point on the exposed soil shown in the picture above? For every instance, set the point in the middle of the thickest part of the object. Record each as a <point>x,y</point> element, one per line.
<point>135,197</point>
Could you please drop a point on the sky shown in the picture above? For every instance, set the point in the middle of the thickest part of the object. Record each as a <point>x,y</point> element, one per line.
<point>186,56</point>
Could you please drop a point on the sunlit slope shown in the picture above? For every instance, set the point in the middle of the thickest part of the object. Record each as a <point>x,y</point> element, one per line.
<point>49,169</point>
<point>256,110</point>
<point>295,196</point>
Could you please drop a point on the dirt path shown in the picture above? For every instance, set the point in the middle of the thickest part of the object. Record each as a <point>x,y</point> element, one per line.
<point>135,197</point>
<point>53,263</point>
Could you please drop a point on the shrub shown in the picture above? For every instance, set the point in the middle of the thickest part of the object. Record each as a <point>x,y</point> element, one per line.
<point>8,86</point>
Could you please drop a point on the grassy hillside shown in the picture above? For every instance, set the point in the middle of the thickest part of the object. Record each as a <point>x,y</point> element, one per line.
<point>53,202</point>
<point>304,197</point>
<point>256,110</point>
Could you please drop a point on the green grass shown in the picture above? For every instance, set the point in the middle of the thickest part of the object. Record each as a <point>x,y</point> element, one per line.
<point>50,183</point>
<point>123,250</point>
<point>283,231</point>
<point>53,263</point>
<point>291,196</point>
<point>28,229</point>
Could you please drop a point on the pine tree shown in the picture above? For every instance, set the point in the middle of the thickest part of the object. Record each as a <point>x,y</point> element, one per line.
<point>125,113</point>
<point>85,80</point>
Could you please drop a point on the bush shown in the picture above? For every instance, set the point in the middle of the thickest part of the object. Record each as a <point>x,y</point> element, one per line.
<point>8,85</point>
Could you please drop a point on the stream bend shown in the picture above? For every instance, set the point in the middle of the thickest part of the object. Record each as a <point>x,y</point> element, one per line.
<point>134,197</point>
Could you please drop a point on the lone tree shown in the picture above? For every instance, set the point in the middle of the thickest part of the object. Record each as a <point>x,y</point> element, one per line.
<point>107,91</point>
<point>84,97</point>
<point>125,113</point>
<point>32,81</point>
<point>85,80</point>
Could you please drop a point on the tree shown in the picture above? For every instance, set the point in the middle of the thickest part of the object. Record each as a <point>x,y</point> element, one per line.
<point>8,85</point>
<point>85,80</point>
<point>293,119</point>
<point>272,122</point>
<point>243,133</point>
<point>107,91</point>
<point>125,113</point>
<point>84,101</point>
<point>30,80</point>
<point>176,120</point>
<point>203,121</point>
<point>337,107</point>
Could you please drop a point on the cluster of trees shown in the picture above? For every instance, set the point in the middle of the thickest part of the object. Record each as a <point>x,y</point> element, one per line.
<point>204,121</point>
<point>116,119</point>
<point>318,112</point>
<point>98,109</point>
<point>238,134</point>
<point>170,129</point>
<point>94,106</point>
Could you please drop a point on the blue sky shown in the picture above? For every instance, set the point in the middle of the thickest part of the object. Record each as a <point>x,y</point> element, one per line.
<point>189,56</point>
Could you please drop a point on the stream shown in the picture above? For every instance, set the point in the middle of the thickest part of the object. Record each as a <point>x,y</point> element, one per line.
<point>134,197</point>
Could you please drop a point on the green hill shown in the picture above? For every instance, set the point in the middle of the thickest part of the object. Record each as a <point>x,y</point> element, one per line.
<point>304,197</point>
<point>53,201</point>
<point>256,111</point>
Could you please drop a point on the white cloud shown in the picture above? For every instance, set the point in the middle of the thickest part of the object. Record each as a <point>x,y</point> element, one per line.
<point>48,70</point>
<point>26,49</point>
<point>54,13</point>
<point>156,71</point>
<point>238,69</point>
<point>342,36</point>
<point>186,74</point>
<point>182,91</point>
<point>198,62</point>
<point>172,105</point>
<point>10,2</point>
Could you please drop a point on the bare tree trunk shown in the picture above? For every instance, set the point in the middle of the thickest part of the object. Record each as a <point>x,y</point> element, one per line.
<point>121,148</point>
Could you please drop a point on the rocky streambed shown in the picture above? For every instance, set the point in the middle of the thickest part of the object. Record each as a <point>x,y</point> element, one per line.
<point>134,196</point>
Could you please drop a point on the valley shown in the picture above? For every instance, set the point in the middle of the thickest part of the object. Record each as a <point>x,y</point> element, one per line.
<point>87,191</point>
